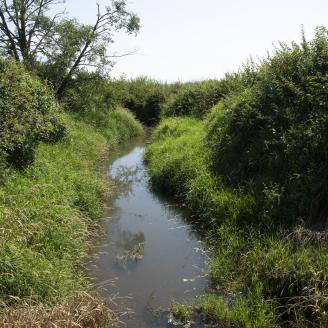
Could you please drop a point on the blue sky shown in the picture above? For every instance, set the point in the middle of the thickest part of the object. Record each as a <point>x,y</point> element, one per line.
<point>191,39</point>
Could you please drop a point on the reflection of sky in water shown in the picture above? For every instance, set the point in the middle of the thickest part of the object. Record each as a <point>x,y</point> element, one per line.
<point>150,250</point>
<point>129,170</point>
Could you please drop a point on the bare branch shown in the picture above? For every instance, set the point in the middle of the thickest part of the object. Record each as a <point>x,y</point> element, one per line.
<point>8,33</point>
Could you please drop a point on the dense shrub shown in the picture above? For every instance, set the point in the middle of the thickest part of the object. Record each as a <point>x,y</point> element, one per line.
<point>145,97</point>
<point>91,92</point>
<point>196,99</point>
<point>29,114</point>
<point>272,137</point>
<point>178,163</point>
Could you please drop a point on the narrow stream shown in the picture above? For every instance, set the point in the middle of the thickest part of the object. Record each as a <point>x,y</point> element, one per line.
<point>149,254</point>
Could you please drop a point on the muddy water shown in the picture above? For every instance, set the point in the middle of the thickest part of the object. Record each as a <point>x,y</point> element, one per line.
<point>149,254</point>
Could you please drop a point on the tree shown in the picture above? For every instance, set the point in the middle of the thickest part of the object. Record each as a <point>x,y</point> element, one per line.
<point>35,39</point>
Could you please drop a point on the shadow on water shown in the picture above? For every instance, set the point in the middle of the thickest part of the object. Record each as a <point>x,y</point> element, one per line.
<point>149,255</point>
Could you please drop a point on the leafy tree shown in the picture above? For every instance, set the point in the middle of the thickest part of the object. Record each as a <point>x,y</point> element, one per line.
<point>58,46</point>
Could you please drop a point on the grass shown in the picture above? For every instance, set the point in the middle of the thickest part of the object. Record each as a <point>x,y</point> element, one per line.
<point>81,310</point>
<point>49,213</point>
<point>178,162</point>
<point>262,275</point>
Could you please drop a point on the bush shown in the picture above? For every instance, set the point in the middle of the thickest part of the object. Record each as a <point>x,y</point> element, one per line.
<point>178,163</point>
<point>196,99</point>
<point>29,115</point>
<point>271,138</point>
<point>90,92</point>
<point>145,97</point>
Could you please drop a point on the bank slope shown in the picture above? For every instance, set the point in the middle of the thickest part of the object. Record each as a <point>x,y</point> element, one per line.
<point>48,215</point>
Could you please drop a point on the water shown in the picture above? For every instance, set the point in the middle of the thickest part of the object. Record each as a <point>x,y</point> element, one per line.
<point>149,254</point>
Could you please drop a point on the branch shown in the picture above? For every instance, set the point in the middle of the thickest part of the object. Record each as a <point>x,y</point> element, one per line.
<point>43,35</point>
<point>133,52</point>
<point>8,33</point>
<point>12,19</point>
<point>39,11</point>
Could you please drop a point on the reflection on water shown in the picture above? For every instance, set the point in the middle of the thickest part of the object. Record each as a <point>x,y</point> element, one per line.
<point>149,250</point>
<point>132,248</point>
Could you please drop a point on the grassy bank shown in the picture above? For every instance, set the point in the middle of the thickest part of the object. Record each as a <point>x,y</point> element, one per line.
<point>49,213</point>
<point>254,171</point>
<point>261,276</point>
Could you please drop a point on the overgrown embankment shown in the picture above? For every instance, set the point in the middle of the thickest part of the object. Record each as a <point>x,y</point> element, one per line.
<point>51,199</point>
<point>254,170</point>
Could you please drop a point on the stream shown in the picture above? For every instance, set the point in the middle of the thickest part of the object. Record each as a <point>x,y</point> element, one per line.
<point>149,255</point>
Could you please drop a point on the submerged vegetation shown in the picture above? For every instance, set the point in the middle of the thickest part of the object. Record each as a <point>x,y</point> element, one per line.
<point>253,168</point>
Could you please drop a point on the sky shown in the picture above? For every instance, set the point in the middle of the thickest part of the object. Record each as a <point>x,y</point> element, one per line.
<point>189,40</point>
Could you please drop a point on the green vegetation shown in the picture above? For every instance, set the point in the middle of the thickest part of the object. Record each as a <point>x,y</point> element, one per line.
<point>197,99</point>
<point>49,210</point>
<point>248,154</point>
<point>29,115</point>
<point>58,48</point>
<point>254,172</point>
<point>193,99</point>
<point>58,123</point>
<point>144,97</point>
<point>51,196</point>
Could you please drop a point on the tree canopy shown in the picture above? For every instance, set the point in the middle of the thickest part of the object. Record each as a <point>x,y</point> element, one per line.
<point>57,46</point>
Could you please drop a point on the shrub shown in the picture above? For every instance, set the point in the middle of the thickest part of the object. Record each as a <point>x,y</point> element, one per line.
<point>90,92</point>
<point>29,114</point>
<point>271,138</point>
<point>196,99</point>
<point>145,98</point>
<point>178,163</point>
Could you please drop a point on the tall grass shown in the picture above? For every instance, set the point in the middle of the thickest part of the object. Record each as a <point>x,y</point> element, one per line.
<point>49,212</point>
<point>269,274</point>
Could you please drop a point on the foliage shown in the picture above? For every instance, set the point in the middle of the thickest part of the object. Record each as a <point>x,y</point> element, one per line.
<point>48,213</point>
<point>271,139</point>
<point>178,163</point>
<point>58,47</point>
<point>196,99</point>
<point>122,117</point>
<point>96,100</point>
<point>29,114</point>
<point>250,313</point>
<point>144,97</point>
<point>92,92</point>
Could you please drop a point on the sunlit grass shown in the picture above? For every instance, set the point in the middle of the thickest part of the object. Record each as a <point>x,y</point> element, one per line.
<point>49,212</point>
<point>261,275</point>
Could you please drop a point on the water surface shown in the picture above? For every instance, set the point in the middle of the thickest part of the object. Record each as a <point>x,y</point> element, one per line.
<point>149,254</point>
